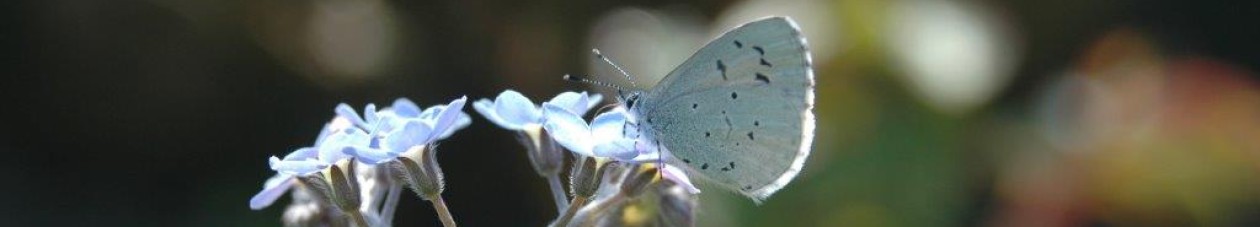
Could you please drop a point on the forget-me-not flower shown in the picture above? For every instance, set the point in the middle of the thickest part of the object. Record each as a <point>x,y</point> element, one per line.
<point>303,161</point>
<point>604,137</point>
<point>611,134</point>
<point>514,111</point>
<point>397,129</point>
<point>402,139</point>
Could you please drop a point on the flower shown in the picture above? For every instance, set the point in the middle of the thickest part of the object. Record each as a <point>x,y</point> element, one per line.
<point>397,129</point>
<point>604,137</point>
<point>335,148</point>
<point>401,139</point>
<point>514,111</point>
<point>611,134</point>
<point>333,139</point>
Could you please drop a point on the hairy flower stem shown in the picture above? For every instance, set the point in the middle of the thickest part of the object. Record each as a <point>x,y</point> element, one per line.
<point>391,204</point>
<point>590,217</point>
<point>547,159</point>
<point>358,219</point>
<point>567,216</point>
<point>557,192</point>
<point>439,205</point>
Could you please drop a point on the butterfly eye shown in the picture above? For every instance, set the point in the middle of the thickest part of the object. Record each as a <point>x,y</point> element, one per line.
<point>631,100</point>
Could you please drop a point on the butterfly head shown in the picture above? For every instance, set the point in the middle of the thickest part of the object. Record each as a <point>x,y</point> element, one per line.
<point>629,98</point>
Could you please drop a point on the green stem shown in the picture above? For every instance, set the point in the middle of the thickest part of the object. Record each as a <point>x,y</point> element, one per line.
<point>440,206</point>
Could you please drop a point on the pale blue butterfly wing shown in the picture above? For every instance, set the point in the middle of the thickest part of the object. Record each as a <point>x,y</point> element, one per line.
<point>739,111</point>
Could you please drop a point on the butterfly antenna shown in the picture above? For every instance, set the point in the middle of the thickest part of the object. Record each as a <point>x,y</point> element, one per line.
<point>614,65</point>
<point>589,81</point>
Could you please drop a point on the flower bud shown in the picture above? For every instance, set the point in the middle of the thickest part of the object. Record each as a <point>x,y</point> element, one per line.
<point>586,177</point>
<point>419,169</point>
<point>639,179</point>
<point>544,155</point>
<point>337,185</point>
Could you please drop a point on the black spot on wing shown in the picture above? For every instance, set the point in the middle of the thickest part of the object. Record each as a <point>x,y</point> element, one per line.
<point>759,50</point>
<point>751,137</point>
<point>739,44</point>
<point>722,68</point>
<point>704,166</point>
<point>761,78</point>
<point>729,127</point>
<point>763,62</point>
<point>734,95</point>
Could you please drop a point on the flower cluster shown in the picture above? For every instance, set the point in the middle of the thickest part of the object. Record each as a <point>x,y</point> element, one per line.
<point>360,161</point>
<point>375,143</point>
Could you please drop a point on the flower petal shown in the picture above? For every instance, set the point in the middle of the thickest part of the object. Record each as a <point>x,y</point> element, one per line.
<point>369,114</point>
<point>578,103</point>
<point>403,107</point>
<point>388,121</point>
<point>486,108</point>
<point>618,149</point>
<point>515,109</point>
<point>446,120</point>
<point>609,125</point>
<point>592,100</point>
<point>431,112</point>
<point>345,111</point>
<point>371,156</point>
<point>411,134</point>
<point>303,154</point>
<point>572,101</point>
<point>297,167</point>
<point>272,190</point>
<point>679,176</point>
<point>337,124</point>
<point>568,129</point>
<point>460,123</point>
<point>332,149</point>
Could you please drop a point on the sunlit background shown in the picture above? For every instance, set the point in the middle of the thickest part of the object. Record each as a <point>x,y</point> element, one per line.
<point>930,113</point>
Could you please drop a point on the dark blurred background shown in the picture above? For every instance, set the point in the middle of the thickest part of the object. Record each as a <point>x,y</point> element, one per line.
<point>930,113</point>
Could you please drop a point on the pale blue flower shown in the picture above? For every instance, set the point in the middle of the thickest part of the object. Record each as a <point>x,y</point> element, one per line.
<point>403,125</point>
<point>401,112</point>
<point>514,111</point>
<point>611,134</point>
<point>337,146</point>
<point>604,137</point>
<point>304,161</point>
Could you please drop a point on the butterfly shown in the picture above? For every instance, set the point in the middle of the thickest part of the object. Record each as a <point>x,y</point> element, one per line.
<point>738,112</point>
